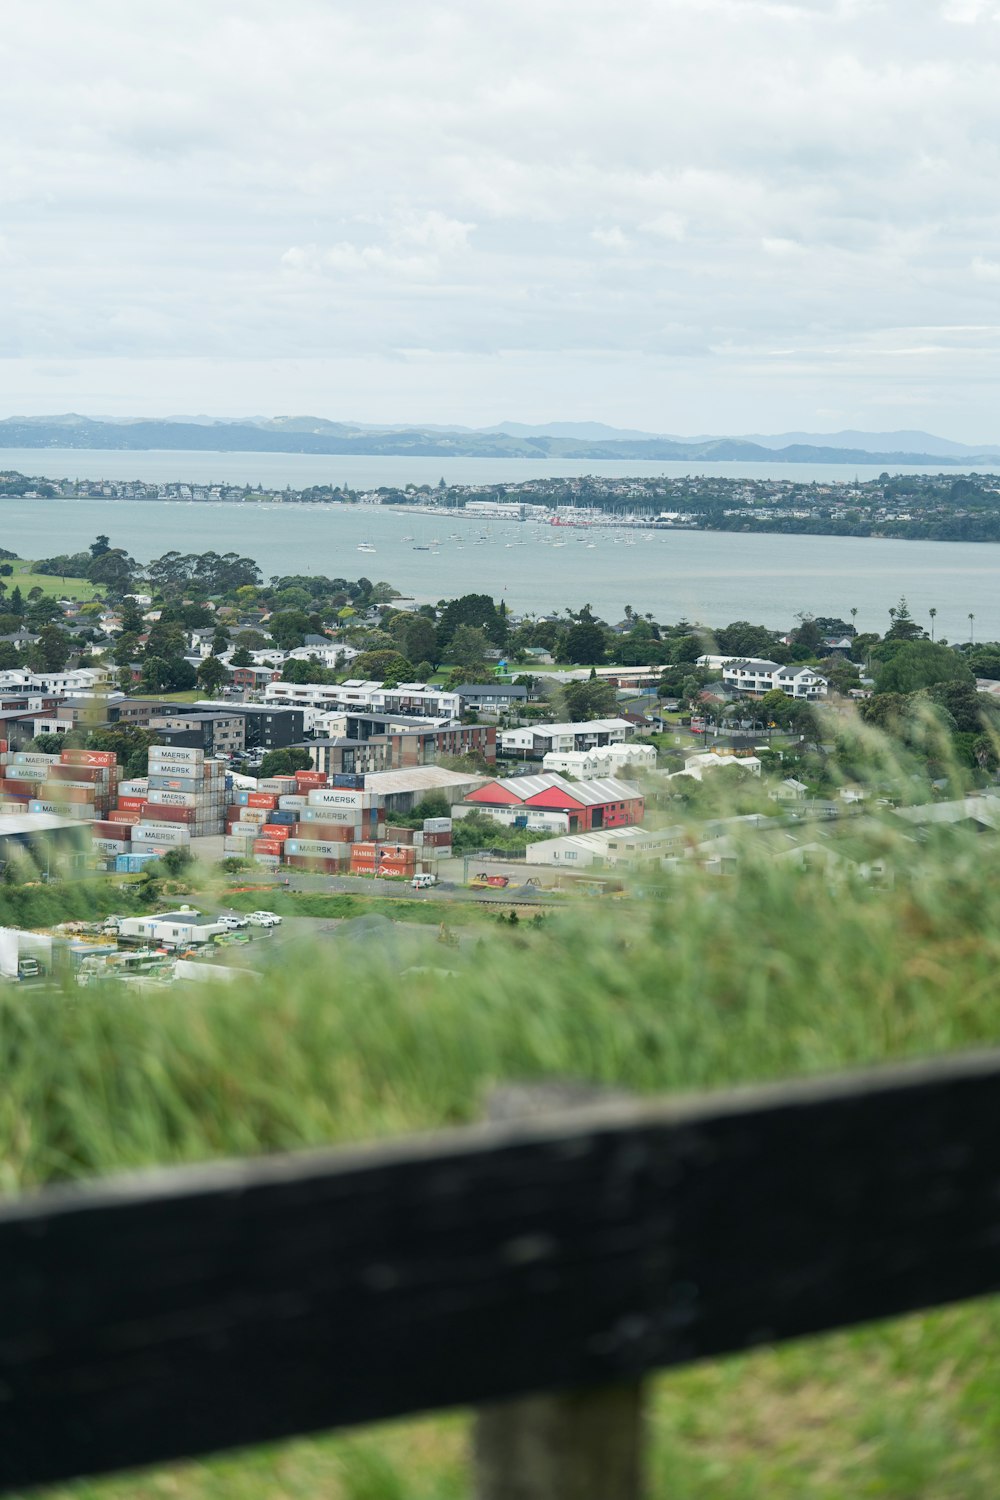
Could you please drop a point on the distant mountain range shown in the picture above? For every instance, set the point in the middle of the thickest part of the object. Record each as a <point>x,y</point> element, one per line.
<point>554,440</point>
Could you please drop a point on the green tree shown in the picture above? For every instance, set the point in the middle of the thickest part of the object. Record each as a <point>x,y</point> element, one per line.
<point>588,700</point>
<point>52,650</point>
<point>211,675</point>
<point>418,639</point>
<point>382,666</point>
<point>584,643</point>
<point>285,762</point>
<point>468,648</point>
<point>477,610</point>
<point>100,546</point>
<point>916,664</point>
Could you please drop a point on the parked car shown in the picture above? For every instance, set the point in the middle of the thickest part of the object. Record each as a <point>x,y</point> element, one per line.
<point>423,882</point>
<point>231,924</point>
<point>264,919</point>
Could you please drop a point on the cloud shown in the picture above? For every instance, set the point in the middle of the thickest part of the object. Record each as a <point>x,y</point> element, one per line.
<point>611,239</point>
<point>253,183</point>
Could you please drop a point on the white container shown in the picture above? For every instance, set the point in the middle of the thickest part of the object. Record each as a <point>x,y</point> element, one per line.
<point>157,796</point>
<point>110,846</point>
<point>292,803</point>
<point>335,796</point>
<point>160,833</point>
<point>167,756</point>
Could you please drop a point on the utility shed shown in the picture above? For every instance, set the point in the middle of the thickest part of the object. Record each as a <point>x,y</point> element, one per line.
<point>183,928</point>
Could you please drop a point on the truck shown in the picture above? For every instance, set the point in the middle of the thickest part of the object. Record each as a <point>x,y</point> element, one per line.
<point>29,968</point>
<point>482,881</point>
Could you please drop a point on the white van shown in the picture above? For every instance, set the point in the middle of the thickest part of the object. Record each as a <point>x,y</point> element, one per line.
<point>423,882</point>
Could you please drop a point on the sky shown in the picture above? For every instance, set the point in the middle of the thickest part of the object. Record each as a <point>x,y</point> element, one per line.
<point>687,216</point>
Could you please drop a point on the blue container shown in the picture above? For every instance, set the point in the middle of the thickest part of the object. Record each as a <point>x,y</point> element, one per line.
<point>288,817</point>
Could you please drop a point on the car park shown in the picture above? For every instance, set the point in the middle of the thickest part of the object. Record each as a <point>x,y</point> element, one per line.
<point>264,919</point>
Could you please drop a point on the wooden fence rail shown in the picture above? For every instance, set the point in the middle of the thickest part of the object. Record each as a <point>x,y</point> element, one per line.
<point>180,1312</point>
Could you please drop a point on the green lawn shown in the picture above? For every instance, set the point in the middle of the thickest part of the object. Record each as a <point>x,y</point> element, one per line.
<point>51,587</point>
<point>774,973</point>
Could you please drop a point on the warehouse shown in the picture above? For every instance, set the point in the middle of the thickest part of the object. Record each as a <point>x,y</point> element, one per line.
<point>586,805</point>
<point>609,848</point>
<point>43,839</point>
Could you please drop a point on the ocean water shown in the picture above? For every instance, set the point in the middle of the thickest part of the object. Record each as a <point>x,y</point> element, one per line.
<point>300,470</point>
<point>713,577</point>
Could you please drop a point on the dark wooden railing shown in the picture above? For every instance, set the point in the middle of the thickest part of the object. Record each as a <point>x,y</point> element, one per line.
<point>180,1312</point>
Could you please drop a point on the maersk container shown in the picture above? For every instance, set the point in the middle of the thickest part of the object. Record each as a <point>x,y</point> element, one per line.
<point>293,802</point>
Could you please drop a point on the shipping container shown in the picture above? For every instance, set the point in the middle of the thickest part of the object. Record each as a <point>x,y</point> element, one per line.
<point>133,864</point>
<point>96,775</point>
<point>276,831</point>
<point>266,846</point>
<point>88,758</point>
<point>316,849</point>
<point>437,825</point>
<point>179,754</point>
<point>160,833</point>
<point>283,816</point>
<point>354,781</point>
<point>131,804</point>
<point>33,758</point>
<point>124,816</point>
<point>339,797</point>
<point>110,846</point>
<point>160,798</point>
<point>292,803</point>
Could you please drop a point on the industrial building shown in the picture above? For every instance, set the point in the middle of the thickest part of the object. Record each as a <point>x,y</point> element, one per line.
<point>584,805</point>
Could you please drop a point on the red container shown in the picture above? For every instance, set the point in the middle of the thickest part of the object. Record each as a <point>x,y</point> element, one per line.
<point>88,757</point>
<point>90,774</point>
<point>266,846</point>
<point>266,800</point>
<point>64,791</point>
<point>156,813</point>
<point>325,833</point>
<point>277,832</point>
<point>28,789</point>
<point>124,819</point>
<point>106,830</point>
<point>132,804</point>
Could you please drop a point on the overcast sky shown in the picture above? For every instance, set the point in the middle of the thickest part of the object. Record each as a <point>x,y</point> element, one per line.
<point>688,215</point>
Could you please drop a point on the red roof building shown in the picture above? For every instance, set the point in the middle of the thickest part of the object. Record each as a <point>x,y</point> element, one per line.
<point>604,803</point>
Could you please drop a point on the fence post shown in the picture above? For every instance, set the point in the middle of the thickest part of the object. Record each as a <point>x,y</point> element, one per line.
<point>567,1445</point>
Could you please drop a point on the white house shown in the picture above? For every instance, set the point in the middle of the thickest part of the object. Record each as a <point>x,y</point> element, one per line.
<point>753,676</point>
<point>608,760</point>
<point>711,760</point>
<point>538,740</point>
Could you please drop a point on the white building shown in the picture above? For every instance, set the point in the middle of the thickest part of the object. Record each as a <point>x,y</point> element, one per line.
<point>608,848</point>
<point>711,760</point>
<point>537,740</point>
<point>608,760</point>
<point>172,929</point>
<point>753,676</point>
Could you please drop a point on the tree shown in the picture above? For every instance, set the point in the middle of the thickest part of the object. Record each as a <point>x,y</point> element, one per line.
<point>588,700</point>
<point>919,664</point>
<point>741,638</point>
<point>285,762</point>
<point>382,665</point>
<point>113,570</point>
<point>220,640</point>
<point>468,648</point>
<point>477,610</point>
<point>418,639</point>
<point>584,643</point>
<point>933,615</point>
<point>101,545</point>
<point>17,602</point>
<point>211,675</point>
<point>241,657</point>
<point>52,651</point>
<point>903,627</point>
<point>289,628</point>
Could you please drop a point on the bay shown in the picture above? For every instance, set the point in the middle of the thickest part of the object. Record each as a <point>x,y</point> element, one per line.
<point>713,577</point>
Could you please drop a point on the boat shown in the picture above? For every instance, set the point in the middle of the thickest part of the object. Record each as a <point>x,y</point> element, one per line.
<point>366,547</point>
<point>421,549</point>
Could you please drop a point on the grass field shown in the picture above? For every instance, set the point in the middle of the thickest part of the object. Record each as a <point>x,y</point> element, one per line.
<point>777,972</point>
<point>51,587</point>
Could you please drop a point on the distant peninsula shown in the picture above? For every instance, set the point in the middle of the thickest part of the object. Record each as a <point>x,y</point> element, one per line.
<point>577,441</point>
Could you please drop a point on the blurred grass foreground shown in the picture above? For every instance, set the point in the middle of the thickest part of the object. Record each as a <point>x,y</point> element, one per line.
<point>804,957</point>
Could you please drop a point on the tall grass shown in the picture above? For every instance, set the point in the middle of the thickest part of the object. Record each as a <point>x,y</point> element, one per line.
<point>782,970</point>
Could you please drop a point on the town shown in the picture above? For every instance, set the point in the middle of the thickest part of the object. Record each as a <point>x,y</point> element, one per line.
<point>921,507</point>
<point>190,716</point>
